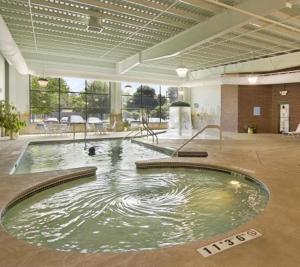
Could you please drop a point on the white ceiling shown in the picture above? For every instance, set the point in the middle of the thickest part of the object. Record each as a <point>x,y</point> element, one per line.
<point>148,39</point>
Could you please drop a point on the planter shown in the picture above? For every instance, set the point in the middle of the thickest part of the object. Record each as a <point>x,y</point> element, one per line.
<point>251,131</point>
<point>13,136</point>
<point>10,119</point>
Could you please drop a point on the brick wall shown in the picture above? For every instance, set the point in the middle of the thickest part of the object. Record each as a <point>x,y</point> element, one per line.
<point>237,103</point>
<point>255,96</point>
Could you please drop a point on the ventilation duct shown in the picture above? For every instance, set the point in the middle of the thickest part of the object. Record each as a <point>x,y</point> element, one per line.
<point>95,25</point>
<point>10,50</point>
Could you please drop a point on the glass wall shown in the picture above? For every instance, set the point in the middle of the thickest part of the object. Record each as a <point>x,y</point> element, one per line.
<point>63,97</point>
<point>44,101</point>
<point>150,99</point>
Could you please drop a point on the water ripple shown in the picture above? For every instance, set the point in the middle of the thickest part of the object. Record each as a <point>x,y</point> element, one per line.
<point>126,209</point>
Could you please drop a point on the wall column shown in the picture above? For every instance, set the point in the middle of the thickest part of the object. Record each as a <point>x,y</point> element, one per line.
<point>2,84</point>
<point>187,94</point>
<point>116,104</point>
<point>229,108</point>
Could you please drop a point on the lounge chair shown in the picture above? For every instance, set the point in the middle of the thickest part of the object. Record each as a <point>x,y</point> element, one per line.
<point>294,133</point>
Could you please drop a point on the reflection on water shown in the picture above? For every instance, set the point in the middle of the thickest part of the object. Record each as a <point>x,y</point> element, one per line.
<point>115,152</point>
<point>124,210</point>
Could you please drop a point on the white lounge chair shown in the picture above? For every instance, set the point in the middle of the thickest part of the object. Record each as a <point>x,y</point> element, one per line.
<point>294,133</point>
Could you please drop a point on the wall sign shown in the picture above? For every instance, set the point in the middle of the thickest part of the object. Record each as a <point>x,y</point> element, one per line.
<point>228,242</point>
<point>256,111</point>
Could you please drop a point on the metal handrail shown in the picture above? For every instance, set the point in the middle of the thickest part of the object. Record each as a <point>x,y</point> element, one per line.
<point>175,153</point>
<point>142,128</point>
<point>152,133</point>
<point>131,133</point>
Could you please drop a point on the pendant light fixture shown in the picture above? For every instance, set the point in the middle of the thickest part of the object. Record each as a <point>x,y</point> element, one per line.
<point>43,82</point>
<point>182,70</point>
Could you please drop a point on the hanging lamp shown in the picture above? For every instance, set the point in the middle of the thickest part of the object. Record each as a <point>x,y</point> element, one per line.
<point>43,82</point>
<point>182,71</point>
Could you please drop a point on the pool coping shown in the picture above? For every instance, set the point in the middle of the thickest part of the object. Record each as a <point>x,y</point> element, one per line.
<point>183,255</point>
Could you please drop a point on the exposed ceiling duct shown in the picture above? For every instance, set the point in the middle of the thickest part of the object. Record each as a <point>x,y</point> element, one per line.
<point>246,79</point>
<point>10,50</point>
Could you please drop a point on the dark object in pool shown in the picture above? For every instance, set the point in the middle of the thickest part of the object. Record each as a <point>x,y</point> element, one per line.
<point>92,151</point>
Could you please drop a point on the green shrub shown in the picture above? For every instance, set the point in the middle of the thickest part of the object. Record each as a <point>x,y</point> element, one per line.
<point>9,118</point>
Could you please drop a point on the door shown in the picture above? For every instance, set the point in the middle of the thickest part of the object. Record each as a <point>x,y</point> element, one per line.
<point>284,118</point>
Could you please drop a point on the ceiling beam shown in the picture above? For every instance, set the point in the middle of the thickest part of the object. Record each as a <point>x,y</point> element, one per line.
<point>92,70</point>
<point>261,65</point>
<point>206,31</point>
<point>128,64</point>
<point>10,50</point>
<point>211,28</point>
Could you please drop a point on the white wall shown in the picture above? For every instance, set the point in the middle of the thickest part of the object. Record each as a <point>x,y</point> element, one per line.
<point>19,90</point>
<point>206,105</point>
<point>2,77</point>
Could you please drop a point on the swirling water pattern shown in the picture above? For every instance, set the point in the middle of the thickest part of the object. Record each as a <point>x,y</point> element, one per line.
<point>124,209</point>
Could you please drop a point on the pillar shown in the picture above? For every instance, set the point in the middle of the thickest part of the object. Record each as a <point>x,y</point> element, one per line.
<point>116,105</point>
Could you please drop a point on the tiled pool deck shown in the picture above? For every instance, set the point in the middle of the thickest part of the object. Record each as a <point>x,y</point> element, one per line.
<point>273,159</point>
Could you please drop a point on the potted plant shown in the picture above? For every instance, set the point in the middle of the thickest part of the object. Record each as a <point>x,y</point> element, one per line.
<point>250,128</point>
<point>126,125</point>
<point>10,120</point>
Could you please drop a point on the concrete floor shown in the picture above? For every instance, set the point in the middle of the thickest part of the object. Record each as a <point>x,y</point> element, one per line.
<point>273,159</point>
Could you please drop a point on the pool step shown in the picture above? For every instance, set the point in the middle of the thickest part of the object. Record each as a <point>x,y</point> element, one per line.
<point>192,154</point>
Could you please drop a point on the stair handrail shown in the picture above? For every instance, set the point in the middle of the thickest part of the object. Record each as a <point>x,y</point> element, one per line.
<point>212,126</point>
<point>152,133</point>
<point>131,132</point>
<point>143,127</point>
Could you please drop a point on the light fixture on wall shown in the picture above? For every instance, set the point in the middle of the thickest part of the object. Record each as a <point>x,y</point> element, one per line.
<point>252,79</point>
<point>128,86</point>
<point>283,92</point>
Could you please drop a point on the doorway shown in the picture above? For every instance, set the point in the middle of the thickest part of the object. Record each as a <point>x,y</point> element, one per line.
<point>284,117</point>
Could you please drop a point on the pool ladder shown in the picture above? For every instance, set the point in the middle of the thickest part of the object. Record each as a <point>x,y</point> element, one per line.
<point>143,127</point>
<point>176,152</point>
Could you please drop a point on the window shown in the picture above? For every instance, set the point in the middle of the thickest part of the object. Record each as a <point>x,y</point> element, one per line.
<point>64,97</point>
<point>44,102</point>
<point>150,99</point>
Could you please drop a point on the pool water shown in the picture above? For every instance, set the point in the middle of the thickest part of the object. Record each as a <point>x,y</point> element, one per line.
<point>125,209</point>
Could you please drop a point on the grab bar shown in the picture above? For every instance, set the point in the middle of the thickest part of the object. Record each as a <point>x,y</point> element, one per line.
<point>152,133</point>
<point>140,131</point>
<point>175,153</point>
